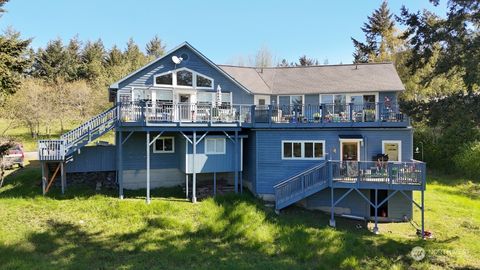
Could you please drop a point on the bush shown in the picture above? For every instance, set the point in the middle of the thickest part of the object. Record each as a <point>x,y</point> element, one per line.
<point>468,160</point>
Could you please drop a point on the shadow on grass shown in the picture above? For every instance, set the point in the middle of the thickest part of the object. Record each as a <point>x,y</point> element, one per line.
<point>234,232</point>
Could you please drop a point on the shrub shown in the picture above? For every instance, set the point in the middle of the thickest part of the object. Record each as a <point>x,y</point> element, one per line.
<point>467,161</point>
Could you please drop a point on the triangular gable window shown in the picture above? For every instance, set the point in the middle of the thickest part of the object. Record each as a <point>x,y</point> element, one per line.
<point>184,77</point>
<point>204,81</point>
<point>166,79</point>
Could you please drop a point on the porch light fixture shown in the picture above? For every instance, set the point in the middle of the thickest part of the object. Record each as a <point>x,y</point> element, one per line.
<point>417,150</point>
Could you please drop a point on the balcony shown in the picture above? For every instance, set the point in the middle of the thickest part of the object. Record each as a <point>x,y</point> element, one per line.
<point>284,116</point>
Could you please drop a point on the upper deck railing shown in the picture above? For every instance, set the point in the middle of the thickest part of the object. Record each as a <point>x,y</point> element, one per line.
<point>369,114</point>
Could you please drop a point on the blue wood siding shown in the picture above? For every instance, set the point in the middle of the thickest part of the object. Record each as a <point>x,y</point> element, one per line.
<point>209,163</point>
<point>93,159</point>
<point>250,161</point>
<point>165,167</point>
<point>194,62</point>
<point>275,169</point>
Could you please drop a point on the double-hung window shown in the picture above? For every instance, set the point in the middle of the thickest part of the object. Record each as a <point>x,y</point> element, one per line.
<point>164,145</point>
<point>215,146</point>
<point>303,149</point>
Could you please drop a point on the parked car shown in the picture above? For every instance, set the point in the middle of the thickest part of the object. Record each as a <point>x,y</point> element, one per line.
<point>14,156</point>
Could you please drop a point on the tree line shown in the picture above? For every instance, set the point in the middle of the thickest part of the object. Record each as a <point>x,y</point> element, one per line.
<point>438,60</point>
<point>62,83</point>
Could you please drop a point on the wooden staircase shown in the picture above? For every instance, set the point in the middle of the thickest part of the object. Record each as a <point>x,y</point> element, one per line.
<point>53,154</point>
<point>302,185</point>
<point>71,141</point>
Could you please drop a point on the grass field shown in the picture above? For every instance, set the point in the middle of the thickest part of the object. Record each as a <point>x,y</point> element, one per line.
<point>22,134</point>
<point>84,230</point>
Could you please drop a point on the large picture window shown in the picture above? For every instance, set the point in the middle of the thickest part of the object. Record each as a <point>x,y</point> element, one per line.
<point>164,145</point>
<point>184,77</point>
<point>303,149</point>
<point>215,146</point>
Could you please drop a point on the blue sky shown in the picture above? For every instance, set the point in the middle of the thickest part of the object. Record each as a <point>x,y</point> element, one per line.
<point>222,30</point>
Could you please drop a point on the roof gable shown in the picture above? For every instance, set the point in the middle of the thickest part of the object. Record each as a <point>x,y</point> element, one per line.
<point>152,64</point>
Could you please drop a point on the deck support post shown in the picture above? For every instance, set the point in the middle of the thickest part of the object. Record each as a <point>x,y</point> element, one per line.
<point>63,176</point>
<point>44,177</point>
<point>332,208</point>
<point>194,172</point>
<point>148,166</point>
<point>236,162</point>
<point>214,183</point>
<point>241,182</point>
<point>375,229</point>
<point>186,186</point>
<point>423,213</point>
<point>120,164</point>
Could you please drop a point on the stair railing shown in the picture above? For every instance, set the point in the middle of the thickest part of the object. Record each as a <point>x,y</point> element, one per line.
<point>301,185</point>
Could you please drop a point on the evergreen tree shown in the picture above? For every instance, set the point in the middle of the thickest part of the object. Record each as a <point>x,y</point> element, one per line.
<point>93,55</point>
<point>51,63</point>
<point>2,3</point>
<point>14,61</point>
<point>381,42</point>
<point>458,34</point>
<point>134,57</point>
<point>155,47</point>
<point>304,61</point>
<point>74,60</point>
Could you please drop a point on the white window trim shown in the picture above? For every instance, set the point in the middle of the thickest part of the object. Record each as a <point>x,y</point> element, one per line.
<point>174,79</point>
<point>399,142</point>
<point>156,151</point>
<point>290,97</point>
<point>215,153</point>
<point>303,149</point>
<point>359,144</point>
<point>348,96</point>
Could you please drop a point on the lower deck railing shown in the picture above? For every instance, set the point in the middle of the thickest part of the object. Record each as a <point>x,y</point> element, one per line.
<point>393,173</point>
<point>334,173</point>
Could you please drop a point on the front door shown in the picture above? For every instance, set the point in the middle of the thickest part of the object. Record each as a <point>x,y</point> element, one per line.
<point>185,108</point>
<point>350,151</point>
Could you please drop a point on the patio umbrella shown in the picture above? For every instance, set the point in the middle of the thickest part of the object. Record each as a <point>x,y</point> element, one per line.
<point>218,96</point>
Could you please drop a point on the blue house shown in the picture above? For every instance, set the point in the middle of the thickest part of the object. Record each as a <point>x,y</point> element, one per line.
<point>324,137</point>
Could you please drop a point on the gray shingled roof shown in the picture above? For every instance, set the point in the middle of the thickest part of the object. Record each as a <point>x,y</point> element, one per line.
<point>318,79</point>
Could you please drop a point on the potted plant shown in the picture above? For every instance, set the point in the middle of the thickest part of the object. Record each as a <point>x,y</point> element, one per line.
<point>369,115</point>
<point>316,117</point>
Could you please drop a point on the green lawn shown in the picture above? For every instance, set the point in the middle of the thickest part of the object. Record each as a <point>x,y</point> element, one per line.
<point>22,134</point>
<point>84,230</point>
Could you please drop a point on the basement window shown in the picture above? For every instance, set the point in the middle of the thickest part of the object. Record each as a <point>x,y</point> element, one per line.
<point>215,146</point>
<point>164,145</point>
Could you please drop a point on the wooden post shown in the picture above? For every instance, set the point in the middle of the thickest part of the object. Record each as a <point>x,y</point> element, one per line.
<point>186,186</point>
<point>44,177</point>
<point>214,183</point>
<point>194,180</point>
<point>63,176</point>
<point>236,162</point>
<point>241,182</point>
<point>423,213</point>
<point>332,208</point>
<point>375,229</point>
<point>120,165</point>
<point>148,167</point>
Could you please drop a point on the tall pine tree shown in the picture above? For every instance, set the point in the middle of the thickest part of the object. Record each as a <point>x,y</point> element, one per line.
<point>381,42</point>
<point>155,47</point>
